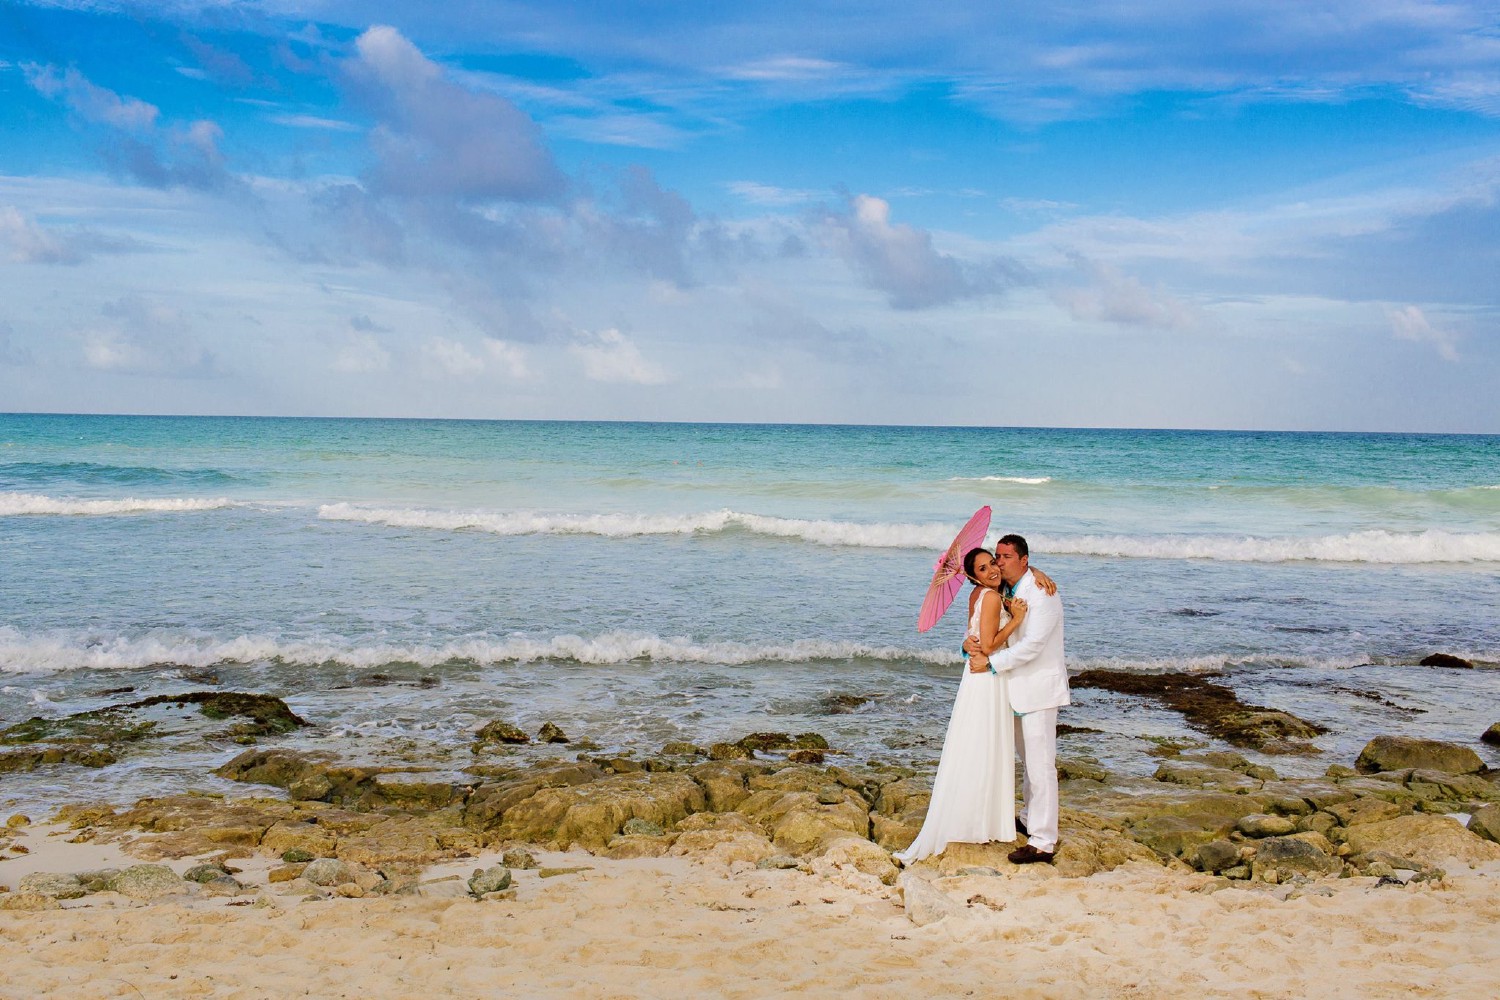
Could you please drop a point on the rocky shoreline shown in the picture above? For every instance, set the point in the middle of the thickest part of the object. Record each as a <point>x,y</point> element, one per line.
<point>1398,814</point>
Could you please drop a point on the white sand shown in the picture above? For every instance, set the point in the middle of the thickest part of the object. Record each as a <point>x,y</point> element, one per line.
<point>672,928</point>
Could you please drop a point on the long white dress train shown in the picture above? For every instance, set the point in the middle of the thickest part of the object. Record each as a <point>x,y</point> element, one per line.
<point>974,793</point>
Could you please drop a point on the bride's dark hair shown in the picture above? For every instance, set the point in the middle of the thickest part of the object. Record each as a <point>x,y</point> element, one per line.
<point>969,558</point>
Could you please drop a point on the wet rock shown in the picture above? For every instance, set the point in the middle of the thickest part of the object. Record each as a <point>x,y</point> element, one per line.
<point>1485,822</point>
<point>1423,838</point>
<point>518,858</point>
<point>550,733</point>
<point>1445,660</point>
<point>806,756</point>
<point>1258,825</point>
<point>18,821</point>
<point>147,882</point>
<point>493,879</point>
<point>1212,708</point>
<point>729,751</point>
<point>1394,753</point>
<point>843,704</point>
<point>19,761</point>
<point>1288,856</point>
<point>498,732</point>
<point>305,778</point>
<point>58,885</point>
<point>775,742</point>
<point>416,791</point>
<point>681,748</point>
<point>1492,735</point>
<point>1179,771</point>
<point>1078,769</point>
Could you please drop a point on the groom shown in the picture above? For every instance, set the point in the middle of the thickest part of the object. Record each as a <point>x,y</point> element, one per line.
<point>1038,688</point>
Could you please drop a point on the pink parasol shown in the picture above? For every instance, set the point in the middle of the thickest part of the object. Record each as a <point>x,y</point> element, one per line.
<point>948,575</point>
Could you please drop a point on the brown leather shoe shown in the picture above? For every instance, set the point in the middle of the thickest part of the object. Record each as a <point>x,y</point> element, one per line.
<point>1028,855</point>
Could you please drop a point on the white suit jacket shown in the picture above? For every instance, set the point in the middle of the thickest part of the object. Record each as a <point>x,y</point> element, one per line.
<point>1033,660</point>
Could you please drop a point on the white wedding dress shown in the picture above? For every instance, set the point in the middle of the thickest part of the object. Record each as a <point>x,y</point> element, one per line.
<point>974,793</point>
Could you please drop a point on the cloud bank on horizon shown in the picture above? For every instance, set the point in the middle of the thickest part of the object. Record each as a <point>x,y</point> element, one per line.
<point>1189,215</point>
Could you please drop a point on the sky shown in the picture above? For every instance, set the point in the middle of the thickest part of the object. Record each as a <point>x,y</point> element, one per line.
<point>1182,213</point>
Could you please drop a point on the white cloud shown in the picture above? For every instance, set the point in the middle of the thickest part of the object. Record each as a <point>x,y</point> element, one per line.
<point>93,102</point>
<point>361,353</point>
<point>1113,297</point>
<point>143,337</point>
<point>449,357</point>
<point>769,195</point>
<point>29,243</point>
<point>509,358</point>
<point>609,356</point>
<point>1410,323</point>
<point>312,122</point>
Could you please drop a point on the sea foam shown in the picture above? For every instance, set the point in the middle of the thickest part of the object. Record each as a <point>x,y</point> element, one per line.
<point>20,504</point>
<point>1374,546</point>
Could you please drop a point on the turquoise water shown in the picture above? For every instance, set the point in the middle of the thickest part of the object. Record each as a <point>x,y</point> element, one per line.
<point>700,581</point>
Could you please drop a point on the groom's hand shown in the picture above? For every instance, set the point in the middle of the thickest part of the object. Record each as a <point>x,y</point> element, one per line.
<point>971,646</point>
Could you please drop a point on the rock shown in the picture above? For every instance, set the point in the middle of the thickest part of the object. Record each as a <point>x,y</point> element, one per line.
<point>1423,838</point>
<point>452,887</point>
<point>843,704</point>
<point>28,901</point>
<point>777,862</point>
<point>925,903</point>
<point>635,845</point>
<point>681,748</point>
<point>1076,769</point>
<point>1492,735</point>
<point>1445,660</point>
<point>18,821</point>
<point>1485,822</point>
<point>204,873</point>
<point>284,873</point>
<point>724,783</point>
<point>806,757</point>
<point>493,879</point>
<point>781,741</point>
<point>1263,825</point>
<point>830,795</point>
<point>328,872</point>
<point>591,816</point>
<point>57,885</point>
<point>519,858</point>
<point>1288,856</point>
<point>1201,775</point>
<point>415,791</point>
<point>1364,810</point>
<point>550,733</point>
<point>298,841</point>
<point>1453,787</point>
<point>729,751</point>
<point>295,855</point>
<point>861,855</point>
<point>635,826</point>
<point>222,885</point>
<point>899,810</point>
<point>1218,855</point>
<point>722,838</point>
<point>487,806</point>
<point>147,882</point>
<point>1394,753</point>
<point>397,839</point>
<point>799,824</point>
<point>499,732</point>
<point>1213,708</point>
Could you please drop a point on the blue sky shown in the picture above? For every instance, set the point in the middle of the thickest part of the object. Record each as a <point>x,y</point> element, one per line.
<point>1180,214</point>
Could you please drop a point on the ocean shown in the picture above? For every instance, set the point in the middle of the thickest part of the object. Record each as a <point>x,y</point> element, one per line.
<point>401,582</point>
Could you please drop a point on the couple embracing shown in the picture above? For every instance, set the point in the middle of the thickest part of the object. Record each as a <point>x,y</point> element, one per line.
<point>1012,687</point>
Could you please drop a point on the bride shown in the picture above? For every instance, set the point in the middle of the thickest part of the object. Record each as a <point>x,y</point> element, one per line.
<point>974,793</point>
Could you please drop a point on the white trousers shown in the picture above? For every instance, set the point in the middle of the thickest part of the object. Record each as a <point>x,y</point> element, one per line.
<point>1036,742</point>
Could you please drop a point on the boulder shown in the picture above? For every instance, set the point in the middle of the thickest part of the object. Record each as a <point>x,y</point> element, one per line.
<point>1453,787</point>
<point>724,783</point>
<point>637,845</point>
<point>550,733</point>
<point>1485,822</point>
<point>328,872</point>
<point>799,824</point>
<point>591,816</point>
<point>298,837</point>
<point>1445,660</point>
<point>147,882</point>
<point>28,901</point>
<point>487,806</point>
<point>899,809</point>
<point>493,879</point>
<point>1217,855</point>
<point>1492,735</point>
<point>1364,810</point>
<point>499,732</point>
<point>1203,775</point>
<point>1260,825</point>
<point>1394,753</point>
<point>518,858</point>
<point>1423,838</point>
<point>1288,856</point>
<point>729,751</point>
<point>58,885</point>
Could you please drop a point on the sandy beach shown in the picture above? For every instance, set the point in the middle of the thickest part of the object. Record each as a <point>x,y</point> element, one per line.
<point>667,927</point>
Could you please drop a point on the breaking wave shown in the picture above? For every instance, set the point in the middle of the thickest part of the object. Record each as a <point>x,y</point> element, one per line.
<point>21,504</point>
